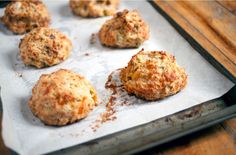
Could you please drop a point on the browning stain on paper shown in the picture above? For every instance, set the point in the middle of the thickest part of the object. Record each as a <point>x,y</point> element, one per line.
<point>93,38</point>
<point>119,97</point>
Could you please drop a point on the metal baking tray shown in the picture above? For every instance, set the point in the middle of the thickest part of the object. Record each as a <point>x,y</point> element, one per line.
<point>164,129</point>
<point>161,130</point>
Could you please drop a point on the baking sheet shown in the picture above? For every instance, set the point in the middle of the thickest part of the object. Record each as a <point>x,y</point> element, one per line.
<point>25,134</point>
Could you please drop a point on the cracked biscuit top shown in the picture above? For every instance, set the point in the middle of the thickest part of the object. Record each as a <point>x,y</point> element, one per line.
<point>44,47</point>
<point>94,8</point>
<point>153,75</point>
<point>62,97</point>
<point>125,30</point>
<point>23,16</point>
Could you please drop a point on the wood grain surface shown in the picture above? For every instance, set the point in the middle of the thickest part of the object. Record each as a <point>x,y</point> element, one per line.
<point>212,24</point>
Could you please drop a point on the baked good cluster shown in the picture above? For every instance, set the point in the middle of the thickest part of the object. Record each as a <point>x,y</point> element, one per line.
<point>63,96</point>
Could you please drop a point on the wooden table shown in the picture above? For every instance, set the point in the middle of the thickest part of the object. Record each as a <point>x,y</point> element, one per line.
<point>213,26</point>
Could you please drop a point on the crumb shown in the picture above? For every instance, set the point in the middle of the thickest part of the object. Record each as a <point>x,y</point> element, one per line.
<point>86,54</point>
<point>113,118</point>
<point>19,74</point>
<point>93,38</point>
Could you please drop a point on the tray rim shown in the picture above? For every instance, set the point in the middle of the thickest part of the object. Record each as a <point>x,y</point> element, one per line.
<point>190,127</point>
<point>229,111</point>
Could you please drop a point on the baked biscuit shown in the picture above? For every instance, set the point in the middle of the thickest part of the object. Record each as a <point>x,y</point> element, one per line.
<point>153,75</point>
<point>23,16</point>
<point>62,97</point>
<point>94,8</point>
<point>125,30</point>
<point>44,47</point>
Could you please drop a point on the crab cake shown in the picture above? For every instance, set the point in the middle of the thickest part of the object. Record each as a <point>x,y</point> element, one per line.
<point>62,97</point>
<point>23,16</point>
<point>44,47</point>
<point>125,30</point>
<point>94,8</point>
<point>153,75</point>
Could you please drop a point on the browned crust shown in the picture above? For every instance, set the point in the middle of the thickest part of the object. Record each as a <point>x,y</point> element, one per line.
<point>125,30</point>
<point>44,47</point>
<point>23,16</point>
<point>153,75</point>
<point>94,8</point>
<point>62,97</point>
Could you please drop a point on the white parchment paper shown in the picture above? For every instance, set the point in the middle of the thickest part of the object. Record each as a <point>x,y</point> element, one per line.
<point>25,134</point>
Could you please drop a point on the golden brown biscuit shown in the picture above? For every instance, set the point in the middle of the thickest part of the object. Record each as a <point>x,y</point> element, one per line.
<point>153,75</point>
<point>125,30</point>
<point>44,47</point>
<point>23,16</point>
<point>94,8</point>
<point>62,97</point>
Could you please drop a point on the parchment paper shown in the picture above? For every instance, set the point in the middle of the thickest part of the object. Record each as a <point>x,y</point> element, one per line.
<point>25,134</point>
